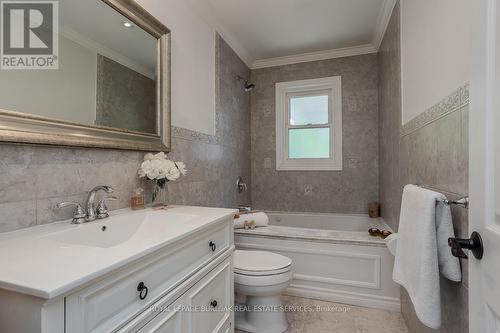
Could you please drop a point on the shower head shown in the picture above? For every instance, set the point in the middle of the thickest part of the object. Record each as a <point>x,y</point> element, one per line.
<point>248,86</point>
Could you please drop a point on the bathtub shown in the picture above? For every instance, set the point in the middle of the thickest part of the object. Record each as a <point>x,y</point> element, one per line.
<point>334,257</point>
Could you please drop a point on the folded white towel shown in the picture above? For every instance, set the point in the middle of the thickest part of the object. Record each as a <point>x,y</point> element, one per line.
<point>422,251</point>
<point>261,220</point>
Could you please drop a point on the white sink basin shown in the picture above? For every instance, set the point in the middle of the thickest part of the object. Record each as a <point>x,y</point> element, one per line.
<point>55,258</point>
<point>116,230</point>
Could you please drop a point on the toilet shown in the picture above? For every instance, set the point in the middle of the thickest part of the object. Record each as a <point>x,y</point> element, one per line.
<point>260,277</point>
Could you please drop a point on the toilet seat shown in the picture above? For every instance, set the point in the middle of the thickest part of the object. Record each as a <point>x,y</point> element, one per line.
<point>260,263</point>
<point>262,273</point>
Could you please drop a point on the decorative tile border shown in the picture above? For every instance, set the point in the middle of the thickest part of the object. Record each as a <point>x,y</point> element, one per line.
<point>187,134</point>
<point>453,102</point>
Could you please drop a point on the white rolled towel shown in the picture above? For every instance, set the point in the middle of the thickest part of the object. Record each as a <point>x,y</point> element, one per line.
<point>260,220</point>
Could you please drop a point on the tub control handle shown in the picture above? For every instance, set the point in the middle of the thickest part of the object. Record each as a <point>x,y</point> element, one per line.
<point>212,245</point>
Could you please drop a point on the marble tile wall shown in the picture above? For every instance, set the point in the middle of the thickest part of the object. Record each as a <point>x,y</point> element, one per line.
<point>34,178</point>
<point>124,98</point>
<point>347,191</point>
<point>437,155</point>
<point>389,61</point>
<point>216,161</point>
<point>431,150</point>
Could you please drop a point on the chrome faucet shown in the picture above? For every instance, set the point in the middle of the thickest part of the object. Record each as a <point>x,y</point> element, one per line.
<point>90,203</point>
<point>81,215</point>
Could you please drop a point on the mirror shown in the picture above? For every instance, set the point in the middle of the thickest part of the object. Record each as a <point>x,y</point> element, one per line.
<point>109,86</point>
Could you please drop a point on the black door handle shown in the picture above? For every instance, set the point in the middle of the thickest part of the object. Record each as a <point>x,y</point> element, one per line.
<point>474,244</point>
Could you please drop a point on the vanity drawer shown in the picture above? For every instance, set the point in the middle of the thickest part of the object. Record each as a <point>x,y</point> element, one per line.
<point>111,302</point>
<point>171,320</point>
<point>182,316</point>
<point>210,301</point>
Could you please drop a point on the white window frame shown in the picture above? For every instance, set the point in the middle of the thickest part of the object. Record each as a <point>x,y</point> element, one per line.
<point>286,90</point>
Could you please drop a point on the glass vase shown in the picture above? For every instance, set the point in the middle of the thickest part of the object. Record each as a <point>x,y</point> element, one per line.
<point>160,195</point>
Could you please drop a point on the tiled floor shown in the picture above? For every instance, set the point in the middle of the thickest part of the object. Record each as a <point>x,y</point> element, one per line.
<point>340,318</point>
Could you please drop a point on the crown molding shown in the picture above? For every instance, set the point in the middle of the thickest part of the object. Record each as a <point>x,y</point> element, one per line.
<point>98,48</point>
<point>384,17</point>
<point>315,56</point>
<point>207,12</point>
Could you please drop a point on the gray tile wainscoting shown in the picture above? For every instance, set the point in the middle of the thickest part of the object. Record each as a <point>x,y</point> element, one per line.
<point>389,60</point>
<point>34,178</point>
<point>432,149</point>
<point>437,155</point>
<point>346,191</point>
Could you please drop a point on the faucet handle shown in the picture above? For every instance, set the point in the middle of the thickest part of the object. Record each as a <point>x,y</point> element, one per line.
<point>79,214</point>
<point>102,209</point>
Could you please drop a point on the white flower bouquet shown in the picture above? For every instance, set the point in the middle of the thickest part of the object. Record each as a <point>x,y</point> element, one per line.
<point>160,170</point>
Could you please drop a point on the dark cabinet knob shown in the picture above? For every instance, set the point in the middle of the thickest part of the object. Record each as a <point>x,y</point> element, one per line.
<point>143,290</point>
<point>474,244</point>
<point>213,303</point>
<point>212,245</point>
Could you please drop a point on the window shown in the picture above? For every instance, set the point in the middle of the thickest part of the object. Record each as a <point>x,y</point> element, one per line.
<point>309,124</point>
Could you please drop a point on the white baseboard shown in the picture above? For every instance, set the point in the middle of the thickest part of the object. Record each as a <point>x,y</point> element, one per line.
<point>337,296</point>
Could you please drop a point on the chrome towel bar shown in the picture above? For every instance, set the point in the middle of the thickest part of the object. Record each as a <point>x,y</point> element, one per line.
<point>462,202</point>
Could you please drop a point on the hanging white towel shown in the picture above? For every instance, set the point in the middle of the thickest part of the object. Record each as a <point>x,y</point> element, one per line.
<point>425,225</point>
<point>260,220</point>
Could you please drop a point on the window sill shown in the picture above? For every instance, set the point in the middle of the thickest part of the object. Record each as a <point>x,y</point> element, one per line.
<point>309,165</point>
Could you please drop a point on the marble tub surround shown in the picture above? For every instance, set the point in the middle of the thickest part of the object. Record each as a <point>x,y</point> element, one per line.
<point>34,178</point>
<point>328,236</point>
<point>346,191</point>
<point>320,235</point>
<point>334,257</point>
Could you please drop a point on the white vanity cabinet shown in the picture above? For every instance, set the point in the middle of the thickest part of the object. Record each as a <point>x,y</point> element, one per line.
<point>195,311</point>
<point>185,286</point>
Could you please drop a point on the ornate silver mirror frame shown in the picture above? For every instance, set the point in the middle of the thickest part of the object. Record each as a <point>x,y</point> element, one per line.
<point>25,128</point>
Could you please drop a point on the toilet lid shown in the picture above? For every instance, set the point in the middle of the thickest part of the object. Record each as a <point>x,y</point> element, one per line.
<point>260,263</point>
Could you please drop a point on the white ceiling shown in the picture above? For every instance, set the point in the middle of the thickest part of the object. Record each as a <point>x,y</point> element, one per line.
<point>262,30</point>
<point>92,23</point>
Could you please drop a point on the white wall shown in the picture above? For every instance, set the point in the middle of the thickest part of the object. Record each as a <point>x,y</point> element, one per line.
<point>436,51</point>
<point>193,64</point>
<point>67,94</point>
